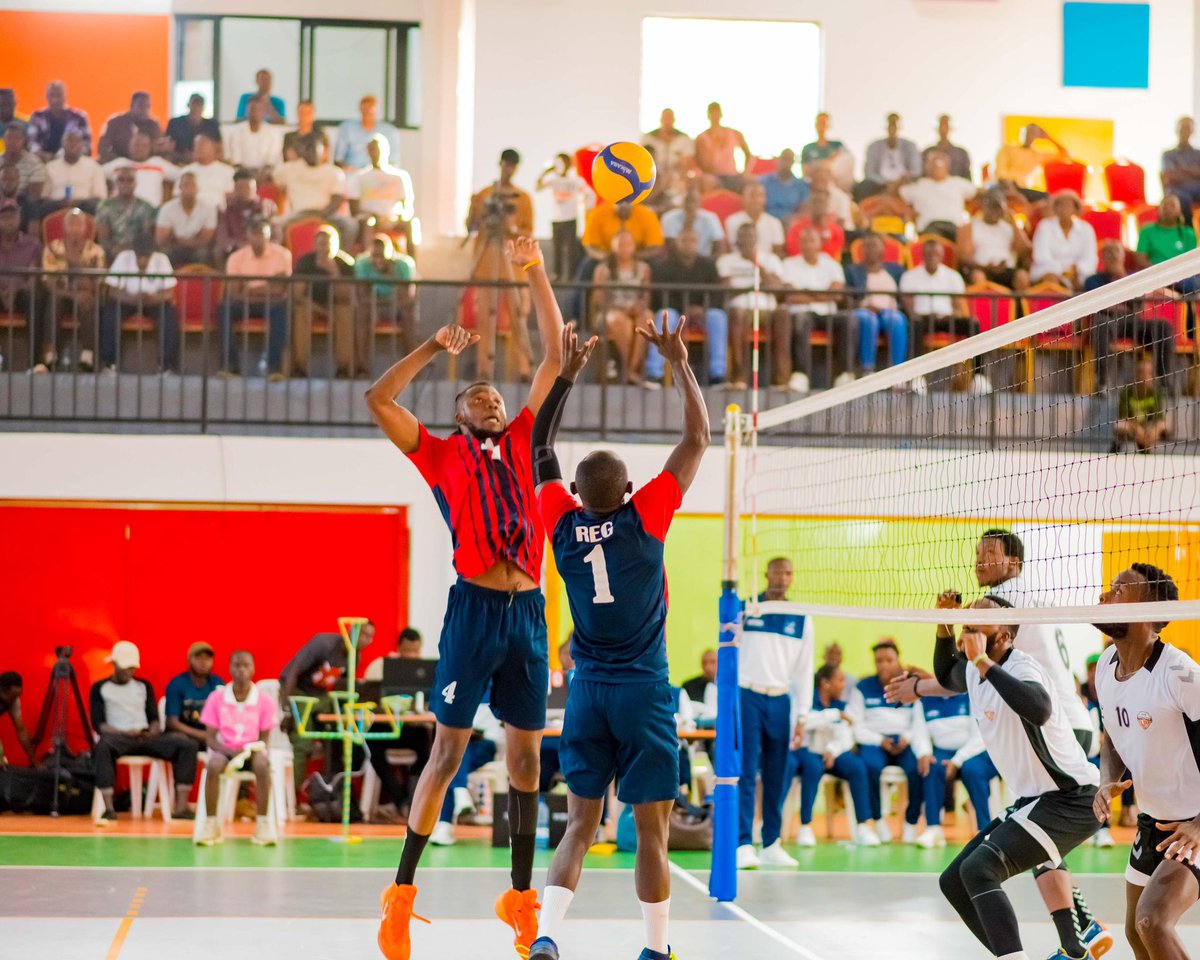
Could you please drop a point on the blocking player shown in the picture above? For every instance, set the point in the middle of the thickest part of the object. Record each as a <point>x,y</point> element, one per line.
<point>495,627</point>
<point>620,718</point>
<point>1031,743</point>
<point>1149,694</point>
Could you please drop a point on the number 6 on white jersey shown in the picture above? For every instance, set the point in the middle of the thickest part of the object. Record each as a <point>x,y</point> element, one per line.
<point>599,575</point>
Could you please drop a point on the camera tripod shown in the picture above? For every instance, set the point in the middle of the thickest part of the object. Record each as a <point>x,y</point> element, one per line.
<point>62,689</point>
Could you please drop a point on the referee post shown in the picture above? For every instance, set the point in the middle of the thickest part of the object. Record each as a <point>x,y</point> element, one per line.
<point>722,883</point>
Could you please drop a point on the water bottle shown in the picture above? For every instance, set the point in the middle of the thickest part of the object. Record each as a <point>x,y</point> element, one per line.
<point>542,841</point>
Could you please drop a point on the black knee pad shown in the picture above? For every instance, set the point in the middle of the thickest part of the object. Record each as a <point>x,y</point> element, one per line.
<point>984,870</point>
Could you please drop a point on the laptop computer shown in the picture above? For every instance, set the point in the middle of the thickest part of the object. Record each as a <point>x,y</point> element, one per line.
<point>407,677</point>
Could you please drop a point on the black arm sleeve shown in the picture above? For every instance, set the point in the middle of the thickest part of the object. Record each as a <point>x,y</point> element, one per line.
<point>1029,700</point>
<point>949,666</point>
<point>545,429</point>
<point>151,703</point>
<point>96,703</point>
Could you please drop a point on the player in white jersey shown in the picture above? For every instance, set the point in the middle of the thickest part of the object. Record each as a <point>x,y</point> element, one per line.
<point>1028,737</point>
<point>1149,694</point>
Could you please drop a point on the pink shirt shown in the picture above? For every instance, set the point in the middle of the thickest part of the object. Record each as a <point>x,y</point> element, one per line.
<point>238,723</point>
<point>276,261</point>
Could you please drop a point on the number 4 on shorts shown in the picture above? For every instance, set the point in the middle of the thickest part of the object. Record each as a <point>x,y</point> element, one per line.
<point>448,691</point>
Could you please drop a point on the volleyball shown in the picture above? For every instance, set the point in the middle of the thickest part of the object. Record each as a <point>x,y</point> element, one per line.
<point>623,171</point>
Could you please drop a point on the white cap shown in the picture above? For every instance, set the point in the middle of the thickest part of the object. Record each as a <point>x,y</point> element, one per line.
<point>124,655</point>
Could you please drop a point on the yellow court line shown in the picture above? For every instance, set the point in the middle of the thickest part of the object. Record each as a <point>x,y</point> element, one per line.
<point>118,941</point>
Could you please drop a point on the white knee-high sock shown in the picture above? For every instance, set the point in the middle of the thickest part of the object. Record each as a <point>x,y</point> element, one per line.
<point>1015,956</point>
<point>656,917</point>
<point>555,903</point>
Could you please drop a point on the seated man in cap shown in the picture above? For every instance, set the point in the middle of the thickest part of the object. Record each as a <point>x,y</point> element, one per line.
<point>125,717</point>
<point>188,692</point>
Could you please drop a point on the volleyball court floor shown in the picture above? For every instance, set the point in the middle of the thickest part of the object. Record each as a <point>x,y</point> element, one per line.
<point>152,895</point>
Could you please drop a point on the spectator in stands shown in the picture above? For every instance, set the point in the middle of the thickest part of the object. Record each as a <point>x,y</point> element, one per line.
<point>933,299</point>
<point>241,207</point>
<point>786,192</point>
<point>683,264</point>
<point>1154,335</point>
<point>889,162</point>
<point>10,189</point>
<point>381,192</point>
<point>828,749</point>
<point>938,200</point>
<point>669,144</point>
<point>8,112</point>
<point>236,716</point>
<point>706,225</point>
<point>1169,236</point>
<point>754,211</point>
<point>323,300</point>
<point>567,191</point>
<point>391,296</point>
<point>606,220</point>
<point>817,281</point>
<point>821,151</point>
<point>817,217</point>
<point>1141,419</point>
<point>307,131</point>
<point>186,225</point>
<point>29,166</point>
<point>74,179</point>
<point>622,297</point>
<point>11,687</point>
<point>254,143</point>
<point>716,151</point>
<point>315,190</point>
<point>257,297</point>
<point>884,733</point>
<point>408,647</point>
<point>70,295</point>
<point>353,136</point>
<point>991,247</point>
<point>832,656</point>
<point>120,128</point>
<point>879,310</point>
<point>140,283</point>
<point>182,131</point>
<point>124,714</point>
<point>18,251</point>
<point>1181,168</point>
<point>958,158</point>
<point>188,692</point>
<point>123,220</point>
<point>151,172</point>
<point>948,747</point>
<point>214,178</point>
<point>1019,165</point>
<point>737,270</point>
<point>273,107</point>
<point>838,201</point>
<point>702,688</point>
<point>49,126</point>
<point>1064,244</point>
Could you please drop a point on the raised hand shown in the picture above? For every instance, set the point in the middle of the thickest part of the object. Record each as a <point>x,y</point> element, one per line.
<point>670,344</point>
<point>524,250</point>
<point>574,355</point>
<point>455,339</point>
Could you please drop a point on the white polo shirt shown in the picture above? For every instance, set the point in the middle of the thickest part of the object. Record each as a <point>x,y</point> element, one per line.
<point>923,284</point>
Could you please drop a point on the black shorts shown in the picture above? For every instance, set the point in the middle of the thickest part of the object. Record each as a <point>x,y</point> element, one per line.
<point>1144,858</point>
<point>1058,821</point>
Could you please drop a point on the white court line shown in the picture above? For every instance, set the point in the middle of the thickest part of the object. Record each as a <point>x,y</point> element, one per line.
<point>747,917</point>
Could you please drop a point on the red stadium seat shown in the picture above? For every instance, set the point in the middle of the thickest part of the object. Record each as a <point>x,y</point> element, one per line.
<point>301,235</point>
<point>197,297</point>
<point>1108,224</point>
<point>52,226</point>
<point>762,166</point>
<point>1125,182</point>
<point>724,203</point>
<point>1065,175</point>
<point>995,308</point>
<point>949,251</point>
<point>893,251</point>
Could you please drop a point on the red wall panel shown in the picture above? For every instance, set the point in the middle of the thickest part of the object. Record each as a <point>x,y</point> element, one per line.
<point>245,576</point>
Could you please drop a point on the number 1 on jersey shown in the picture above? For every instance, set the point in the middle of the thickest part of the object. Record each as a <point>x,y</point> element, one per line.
<point>599,575</point>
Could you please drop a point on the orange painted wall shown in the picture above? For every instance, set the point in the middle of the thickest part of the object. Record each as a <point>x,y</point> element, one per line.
<point>102,58</point>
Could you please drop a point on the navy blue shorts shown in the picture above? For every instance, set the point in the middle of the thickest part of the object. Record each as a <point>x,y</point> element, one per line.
<point>621,730</point>
<point>491,637</point>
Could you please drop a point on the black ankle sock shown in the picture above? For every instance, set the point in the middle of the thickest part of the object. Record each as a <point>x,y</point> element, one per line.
<point>1068,933</point>
<point>414,846</point>
<point>522,833</point>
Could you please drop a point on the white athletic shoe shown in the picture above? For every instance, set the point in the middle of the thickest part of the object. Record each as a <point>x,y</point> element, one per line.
<point>798,382</point>
<point>210,833</point>
<point>747,859</point>
<point>443,834</point>
<point>866,836</point>
<point>462,803</point>
<point>776,856</point>
<point>919,386</point>
<point>1103,839</point>
<point>910,833</point>
<point>932,837</point>
<point>981,386</point>
<point>806,838</point>
<point>883,830</point>
<point>264,833</point>
<point>843,379</point>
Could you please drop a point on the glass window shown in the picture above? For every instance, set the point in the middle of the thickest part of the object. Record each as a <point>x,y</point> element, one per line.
<point>250,44</point>
<point>349,63</point>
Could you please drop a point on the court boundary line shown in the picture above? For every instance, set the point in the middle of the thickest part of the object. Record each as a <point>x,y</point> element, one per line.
<point>118,940</point>
<point>745,916</point>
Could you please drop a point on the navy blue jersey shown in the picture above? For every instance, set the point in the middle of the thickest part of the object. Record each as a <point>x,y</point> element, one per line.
<point>616,584</point>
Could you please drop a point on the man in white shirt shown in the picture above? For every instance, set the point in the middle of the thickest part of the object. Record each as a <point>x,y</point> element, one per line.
<point>315,189</point>
<point>818,280</point>
<point>186,225</point>
<point>254,143</point>
<point>939,201</point>
<point>381,191</point>
<point>1064,245</point>
<point>768,228</point>
<point>151,172</point>
<point>669,145</point>
<point>75,179</point>
<point>738,270</point>
<point>214,179</point>
<point>991,247</point>
<point>140,283</point>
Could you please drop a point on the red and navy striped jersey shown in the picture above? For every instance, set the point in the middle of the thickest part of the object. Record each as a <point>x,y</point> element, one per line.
<point>616,584</point>
<point>485,492</point>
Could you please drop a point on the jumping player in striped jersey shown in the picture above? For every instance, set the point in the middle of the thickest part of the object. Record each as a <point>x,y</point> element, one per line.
<point>620,719</point>
<point>1149,694</point>
<point>495,627</point>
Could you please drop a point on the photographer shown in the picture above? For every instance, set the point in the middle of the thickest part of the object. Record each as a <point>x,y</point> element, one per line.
<point>10,706</point>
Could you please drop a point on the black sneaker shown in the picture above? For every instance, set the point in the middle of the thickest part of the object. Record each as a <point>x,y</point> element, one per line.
<point>183,815</point>
<point>543,949</point>
<point>107,818</point>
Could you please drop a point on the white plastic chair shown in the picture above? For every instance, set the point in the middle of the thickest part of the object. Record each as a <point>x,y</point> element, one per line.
<point>893,786</point>
<point>283,783</point>
<point>232,777</point>
<point>159,786</point>
<point>368,800</point>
